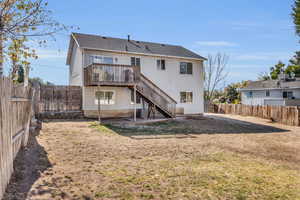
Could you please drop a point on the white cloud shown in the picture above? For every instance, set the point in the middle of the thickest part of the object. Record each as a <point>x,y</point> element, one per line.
<point>263,56</point>
<point>217,43</point>
<point>50,54</point>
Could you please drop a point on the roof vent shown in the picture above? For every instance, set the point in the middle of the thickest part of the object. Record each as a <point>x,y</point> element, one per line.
<point>163,45</point>
<point>104,37</point>
<point>126,47</point>
<point>128,38</point>
<point>137,41</point>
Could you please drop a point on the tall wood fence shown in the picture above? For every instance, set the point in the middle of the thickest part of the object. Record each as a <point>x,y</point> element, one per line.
<point>289,115</point>
<point>58,99</point>
<point>15,116</point>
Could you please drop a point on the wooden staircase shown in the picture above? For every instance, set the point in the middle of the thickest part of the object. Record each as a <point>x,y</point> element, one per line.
<point>156,97</point>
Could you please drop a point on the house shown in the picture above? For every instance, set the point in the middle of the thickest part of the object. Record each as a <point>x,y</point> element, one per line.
<point>284,92</point>
<point>130,77</point>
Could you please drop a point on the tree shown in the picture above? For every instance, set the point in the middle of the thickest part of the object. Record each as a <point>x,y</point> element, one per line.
<point>21,20</point>
<point>296,16</point>
<point>39,81</point>
<point>215,74</point>
<point>232,93</point>
<point>264,76</point>
<point>276,70</point>
<point>296,59</point>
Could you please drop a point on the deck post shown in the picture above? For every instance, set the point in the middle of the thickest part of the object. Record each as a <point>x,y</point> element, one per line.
<point>99,106</point>
<point>134,96</point>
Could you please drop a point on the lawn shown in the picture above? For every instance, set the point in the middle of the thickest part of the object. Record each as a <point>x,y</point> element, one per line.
<point>212,157</point>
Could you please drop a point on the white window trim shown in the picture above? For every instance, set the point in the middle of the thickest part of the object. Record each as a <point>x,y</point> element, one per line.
<point>104,104</point>
<point>186,102</point>
<point>114,59</point>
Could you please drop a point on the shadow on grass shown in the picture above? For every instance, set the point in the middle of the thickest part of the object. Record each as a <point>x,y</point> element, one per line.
<point>29,164</point>
<point>188,128</point>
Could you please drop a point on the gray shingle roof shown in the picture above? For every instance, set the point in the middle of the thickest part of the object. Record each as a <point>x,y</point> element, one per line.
<point>115,44</point>
<point>272,84</point>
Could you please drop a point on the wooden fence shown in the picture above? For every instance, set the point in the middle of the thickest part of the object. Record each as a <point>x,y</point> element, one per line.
<point>58,99</point>
<point>289,115</point>
<point>15,116</point>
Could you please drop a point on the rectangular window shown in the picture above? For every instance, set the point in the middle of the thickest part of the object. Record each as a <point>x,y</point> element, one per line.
<point>101,59</point>
<point>186,97</point>
<point>249,94</point>
<point>267,93</point>
<point>288,95</point>
<point>135,61</point>
<point>161,64</point>
<point>186,68</point>
<point>106,97</point>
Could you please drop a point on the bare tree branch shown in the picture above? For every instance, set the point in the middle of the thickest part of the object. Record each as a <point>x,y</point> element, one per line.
<point>215,74</point>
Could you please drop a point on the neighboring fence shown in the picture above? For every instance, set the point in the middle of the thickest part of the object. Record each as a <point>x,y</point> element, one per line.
<point>58,99</point>
<point>15,116</point>
<point>289,115</point>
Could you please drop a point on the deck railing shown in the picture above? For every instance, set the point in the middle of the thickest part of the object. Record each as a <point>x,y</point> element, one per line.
<point>111,74</point>
<point>152,92</point>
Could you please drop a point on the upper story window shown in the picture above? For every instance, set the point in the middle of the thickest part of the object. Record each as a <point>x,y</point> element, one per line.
<point>161,64</point>
<point>267,93</point>
<point>105,97</point>
<point>186,68</point>
<point>101,59</point>
<point>135,61</point>
<point>186,97</point>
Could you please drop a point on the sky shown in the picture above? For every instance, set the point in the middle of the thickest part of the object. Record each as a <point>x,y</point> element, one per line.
<point>255,34</point>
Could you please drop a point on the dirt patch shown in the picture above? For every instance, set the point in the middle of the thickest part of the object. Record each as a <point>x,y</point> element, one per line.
<point>214,157</point>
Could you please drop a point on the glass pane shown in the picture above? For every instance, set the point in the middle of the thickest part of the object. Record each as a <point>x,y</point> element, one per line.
<point>108,60</point>
<point>183,67</point>
<point>138,62</point>
<point>133,61</point>
<point>182,97</point>
<point>163,64</point>
<point>158,64</point>
<point>189,68</point>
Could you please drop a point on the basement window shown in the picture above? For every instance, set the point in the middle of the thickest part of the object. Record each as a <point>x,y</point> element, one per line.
<point>106,97</point>
<point>186,97</point>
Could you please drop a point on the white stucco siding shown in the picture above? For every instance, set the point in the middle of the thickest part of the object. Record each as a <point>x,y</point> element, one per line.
<point>122,98</point>
<point>75,72</point>
<point>170,80</point>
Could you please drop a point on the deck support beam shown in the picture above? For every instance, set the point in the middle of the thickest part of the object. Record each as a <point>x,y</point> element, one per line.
<point>134,96</point>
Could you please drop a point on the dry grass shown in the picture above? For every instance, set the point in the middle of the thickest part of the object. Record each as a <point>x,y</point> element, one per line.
<point>209,158</point>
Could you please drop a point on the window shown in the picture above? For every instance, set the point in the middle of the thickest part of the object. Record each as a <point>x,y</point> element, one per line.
<point>288,95</point>
<point>161,64</point>
<point>101,59</point>
<point>135,61</point>
<point>267,93</point>
<point>106,97</point>
<point>186,97</point>
<point>249,94</point>
<point>186,68</point>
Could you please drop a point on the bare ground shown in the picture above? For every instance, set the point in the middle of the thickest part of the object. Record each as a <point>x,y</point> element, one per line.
<point>213,157</point>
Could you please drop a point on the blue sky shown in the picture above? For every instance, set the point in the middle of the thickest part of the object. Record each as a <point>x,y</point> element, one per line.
<point>255,34</point>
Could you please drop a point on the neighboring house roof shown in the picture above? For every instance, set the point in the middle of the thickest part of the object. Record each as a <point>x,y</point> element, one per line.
<point>97,42</point>
<point>272,84</point>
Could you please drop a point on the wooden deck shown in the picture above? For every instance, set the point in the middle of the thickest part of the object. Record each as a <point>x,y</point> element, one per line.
<point>111,75</point>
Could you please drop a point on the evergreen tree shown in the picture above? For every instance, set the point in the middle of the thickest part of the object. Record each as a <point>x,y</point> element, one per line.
<point>296,16</point>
